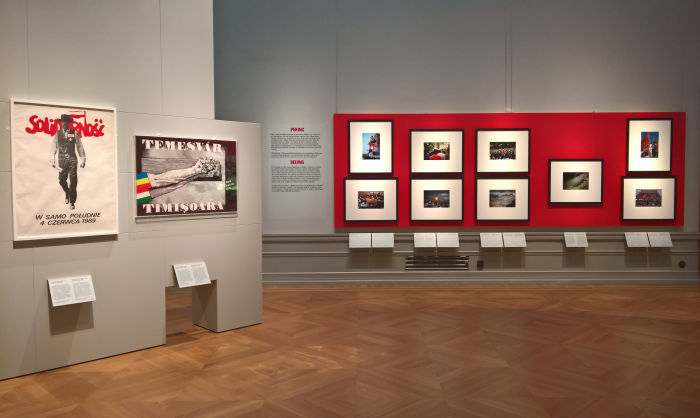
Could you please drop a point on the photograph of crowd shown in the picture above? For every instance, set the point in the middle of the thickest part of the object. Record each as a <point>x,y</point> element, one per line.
<point>436,198</point>
<point>502,150</point>
<point>436,150</point>
<point>370,146</point>
<point>650,145</point>
<point>370,200</point>
<point>502,198</point>
<point>575,181</point>
<point>647,197</point>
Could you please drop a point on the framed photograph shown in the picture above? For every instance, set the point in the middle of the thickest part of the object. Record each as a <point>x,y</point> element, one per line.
<point>185,177</point>
<point>502,199</point>
<point>371,199</point>
<point>436,200</point>
<point>436,151</point>
<point>648,198</point>
<point>371,146</point>
<point>502,151</point>
<point>575,181</point>
<point>649,145</point>
<point>64,170</point>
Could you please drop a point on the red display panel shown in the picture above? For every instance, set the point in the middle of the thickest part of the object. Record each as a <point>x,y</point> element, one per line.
<point>552,136</point>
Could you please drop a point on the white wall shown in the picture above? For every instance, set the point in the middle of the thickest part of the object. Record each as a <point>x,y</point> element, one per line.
<point>307,59</point>
<point>153,61</point>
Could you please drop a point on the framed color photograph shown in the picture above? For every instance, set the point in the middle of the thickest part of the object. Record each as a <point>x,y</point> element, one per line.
<point>502,150</point>
<point>502,199</point>
<point>64,170</point>
<point>648,198</point>
<point>436,200</point>
<point>184,177</point>
<point>371,199</point>
<point>370,146</point>
<point>575,181</point>
<point>436,151</point>
<point>649,145</point>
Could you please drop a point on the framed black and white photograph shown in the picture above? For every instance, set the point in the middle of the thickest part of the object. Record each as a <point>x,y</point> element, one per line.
<point>370,148</point>
<point>575,181</point>
<point>435,151</point>
<point>648,198</point>
<point>437,200</point>
<point>502,199</point>
<point>181,177</point>
<point>649,145</point>
<point>371,199</point>
<point>502,151</point>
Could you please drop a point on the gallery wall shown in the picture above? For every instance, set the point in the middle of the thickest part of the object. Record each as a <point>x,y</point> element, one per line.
<point>586,136</point>
<point>297,63</point>
<point>302,61</point>
<point>153,62</point>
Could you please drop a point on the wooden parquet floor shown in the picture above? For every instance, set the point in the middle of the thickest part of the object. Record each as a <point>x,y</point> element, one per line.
<point>399,351</point>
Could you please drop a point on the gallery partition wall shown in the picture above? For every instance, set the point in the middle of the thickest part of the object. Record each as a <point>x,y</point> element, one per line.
<point>349,94</point>
<point>108,147</point>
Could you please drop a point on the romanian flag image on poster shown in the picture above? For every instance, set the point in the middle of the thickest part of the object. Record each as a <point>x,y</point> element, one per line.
<point>184,176</point>
<point>142,187</point>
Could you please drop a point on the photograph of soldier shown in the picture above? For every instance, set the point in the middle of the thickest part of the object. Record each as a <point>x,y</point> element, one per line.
<point>502,198</point>
<point>66,149</point>
<point>436,198</point>
<point>575,181</point>
<point>502,150</point>
<point>650,145</point>
<point>370,200</point>
<point>370,146</point>
<point>436,150</point>
<point>647,197</point>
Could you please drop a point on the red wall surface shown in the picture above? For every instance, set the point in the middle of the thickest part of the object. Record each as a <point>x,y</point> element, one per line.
<point>552,136</point>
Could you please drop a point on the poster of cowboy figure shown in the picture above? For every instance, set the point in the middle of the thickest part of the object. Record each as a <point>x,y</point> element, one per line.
<point>64,181</point>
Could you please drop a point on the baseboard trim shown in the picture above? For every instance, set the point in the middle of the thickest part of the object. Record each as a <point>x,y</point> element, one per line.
<point>484,277</point>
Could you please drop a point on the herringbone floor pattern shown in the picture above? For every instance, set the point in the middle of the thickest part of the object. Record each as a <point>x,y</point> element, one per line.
<point>453,351</point>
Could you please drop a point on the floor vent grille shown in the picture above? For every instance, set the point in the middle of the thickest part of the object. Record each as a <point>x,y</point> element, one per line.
<point>437,262</point>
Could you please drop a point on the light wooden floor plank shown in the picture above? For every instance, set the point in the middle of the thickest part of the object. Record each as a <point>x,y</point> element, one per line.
<point>403,351</point>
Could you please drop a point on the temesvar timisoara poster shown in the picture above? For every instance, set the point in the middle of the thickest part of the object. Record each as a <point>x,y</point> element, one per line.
<point>185,176</point>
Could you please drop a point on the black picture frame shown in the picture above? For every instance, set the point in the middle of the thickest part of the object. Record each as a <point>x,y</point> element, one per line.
<point>476,199</point>
<point>476,151</point>
<point>549,181</point>
<point>391,155</point>
<point>627,148</point>
<point>410,201</point>
<point>345,196</point>
<point>622,199</point>
<point>429,173</point>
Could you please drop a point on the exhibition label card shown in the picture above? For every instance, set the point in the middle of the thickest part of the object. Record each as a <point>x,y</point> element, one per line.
<point>491,239</point>
<point>71,290</point>
<point>360,240</point>
<point>191,274</point>
<point>660,239</point>
<point>448,240</point>
<point>514,240</point>
<point>424,240</point>
<point>382,240</point>
<point>576,239</point>
<point>637,239</point>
